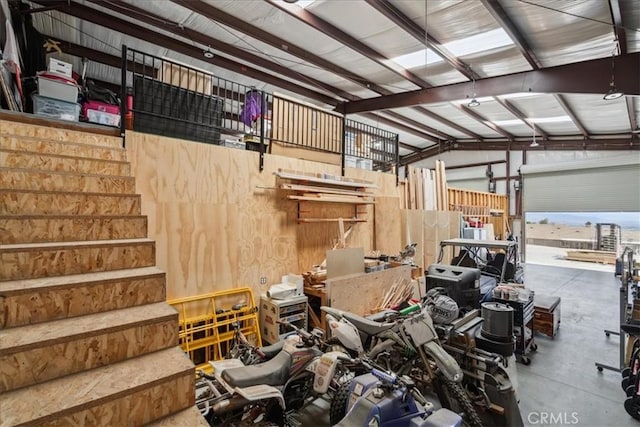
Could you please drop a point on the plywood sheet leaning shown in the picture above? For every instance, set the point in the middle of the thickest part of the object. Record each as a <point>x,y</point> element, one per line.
<point>344,262</point>
<point>418,185</point>
<point>429,204</point>
<point>438,226</point>
<point>412,190</point>
<point>387,225</point>
<point>362,293</point>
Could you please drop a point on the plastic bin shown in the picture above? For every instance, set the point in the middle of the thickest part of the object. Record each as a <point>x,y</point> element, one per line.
<point>55,108</point>
<point>103,118</point>
<point>55,86</point>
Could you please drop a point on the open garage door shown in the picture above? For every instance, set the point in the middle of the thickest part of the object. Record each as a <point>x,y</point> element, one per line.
<point>603,185</point>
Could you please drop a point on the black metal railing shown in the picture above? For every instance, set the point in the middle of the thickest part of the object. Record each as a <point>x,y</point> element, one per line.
<point>377,147</point>
<point>163,97</point>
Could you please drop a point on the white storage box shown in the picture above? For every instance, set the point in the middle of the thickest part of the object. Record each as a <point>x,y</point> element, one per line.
<point>60,67</point>
<point>103,118</point>
<point>55,108</point>
<point>57,87</point>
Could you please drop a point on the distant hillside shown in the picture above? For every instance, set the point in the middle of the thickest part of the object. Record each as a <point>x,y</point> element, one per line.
<point>626,220</point>
<point>560,231</point>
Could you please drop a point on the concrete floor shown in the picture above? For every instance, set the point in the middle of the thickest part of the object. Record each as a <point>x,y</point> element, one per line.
<point>562,382</point>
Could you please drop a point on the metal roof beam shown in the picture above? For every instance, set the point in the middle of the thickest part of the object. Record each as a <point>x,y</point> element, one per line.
<point>554,145</point>
<point>632,115</point>
<point>499,14</point>
<point>149,18</point>
<point>618,28</point>
<point>211,12</point>
<point>420,34</point>
<point>591,76</point>
<point>483,120</point>
<point>337,34</point>
<point>91,15</point>
<point>398,125</point>
<point>100,57</point>
<point>513,110</point>
<point>447,123</point>
<point>576,121</point>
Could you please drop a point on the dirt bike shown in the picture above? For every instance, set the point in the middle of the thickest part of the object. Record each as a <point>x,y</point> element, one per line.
<point>267,394</point>
<point>409,346</point>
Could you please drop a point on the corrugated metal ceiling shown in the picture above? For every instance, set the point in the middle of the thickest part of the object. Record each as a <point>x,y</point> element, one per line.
<point>556,31</point>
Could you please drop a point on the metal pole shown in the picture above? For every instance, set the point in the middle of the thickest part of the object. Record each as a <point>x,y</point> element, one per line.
<point>343,144</point>
<point>123,93</point>
<point>263,112</point>
<point>397,147</point>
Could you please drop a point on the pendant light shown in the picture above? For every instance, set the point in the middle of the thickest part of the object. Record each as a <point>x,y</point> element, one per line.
<point>613,92</point>
<point>534,144</point>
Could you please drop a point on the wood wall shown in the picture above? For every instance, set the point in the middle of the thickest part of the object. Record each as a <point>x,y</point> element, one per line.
<point>220,223</point>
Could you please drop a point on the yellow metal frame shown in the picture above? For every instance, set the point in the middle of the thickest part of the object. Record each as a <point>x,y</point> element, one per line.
<point>206,323</point>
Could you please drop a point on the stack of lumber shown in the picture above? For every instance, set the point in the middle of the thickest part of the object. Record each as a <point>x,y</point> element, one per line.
<point>399,292</point>
<point>602,257</point>
<point>426,189</point>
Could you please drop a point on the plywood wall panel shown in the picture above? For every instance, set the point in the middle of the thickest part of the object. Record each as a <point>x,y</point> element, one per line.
<point>362,293</point>
<point>219,223</point>
<point>388,230</point>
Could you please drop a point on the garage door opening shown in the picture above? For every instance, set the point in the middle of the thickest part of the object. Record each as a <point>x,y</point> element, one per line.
<point>584,240</point>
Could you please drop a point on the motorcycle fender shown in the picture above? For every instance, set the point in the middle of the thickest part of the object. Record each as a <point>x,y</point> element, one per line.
<point>447,364</point>
<point>260,392</point>
<point>324,368</point>
<point>219,366</point>
<point>346,333</point>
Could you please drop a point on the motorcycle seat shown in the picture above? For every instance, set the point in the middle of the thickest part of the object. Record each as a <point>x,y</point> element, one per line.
<point>631,329</point>
<point>273,349</point>
<point>274,372</point>
<point>367,326</point>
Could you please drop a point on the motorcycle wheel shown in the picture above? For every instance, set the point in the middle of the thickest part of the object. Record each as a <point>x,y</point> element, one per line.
<point>456,392</point>
<point>338,408</point>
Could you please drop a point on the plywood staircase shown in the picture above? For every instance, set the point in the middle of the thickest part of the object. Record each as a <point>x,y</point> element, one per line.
<point>86,336</point>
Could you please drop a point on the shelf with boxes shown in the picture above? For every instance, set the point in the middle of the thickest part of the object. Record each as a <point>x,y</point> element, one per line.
<point>323,188</point>
<point>272,311</point>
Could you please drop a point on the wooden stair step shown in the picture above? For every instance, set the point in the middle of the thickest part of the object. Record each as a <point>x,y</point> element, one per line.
<point>30,179</point>
<point>66,228</point>
<point>33,260</point>
<point>47,146</point>
<point>57,162</point>
<point>132,392</point>
<point>11,128</point>
<point>190,417</point>
<point>36,202</point>
<point>37,353</point>
<point>45,299</point>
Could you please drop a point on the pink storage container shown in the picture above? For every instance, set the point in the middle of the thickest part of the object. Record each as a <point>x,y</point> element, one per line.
<point>99,106</point>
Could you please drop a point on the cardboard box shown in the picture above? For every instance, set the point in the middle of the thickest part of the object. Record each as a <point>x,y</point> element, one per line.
<point>52,86</point>
<point>60,67</point>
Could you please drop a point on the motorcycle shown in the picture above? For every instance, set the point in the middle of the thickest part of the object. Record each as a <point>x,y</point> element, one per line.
<point>410,346</point>
<point>381,399</point>
<point>268,393</point>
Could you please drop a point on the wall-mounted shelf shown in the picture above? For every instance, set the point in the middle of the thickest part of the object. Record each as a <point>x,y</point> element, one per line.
<point>327,189</point>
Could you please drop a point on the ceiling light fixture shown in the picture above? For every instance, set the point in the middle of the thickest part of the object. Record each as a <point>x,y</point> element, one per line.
<point>534,144</point>
<point>208,53</point>
<point>613,92</point>
<point>474,102</point>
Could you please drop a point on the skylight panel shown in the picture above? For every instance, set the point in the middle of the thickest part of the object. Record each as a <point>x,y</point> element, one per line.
<point>555,119</point>
<point>417,59</point>
<point>479,43</point>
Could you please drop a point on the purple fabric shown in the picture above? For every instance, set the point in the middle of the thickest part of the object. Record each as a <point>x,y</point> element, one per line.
<point>251,110</point>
